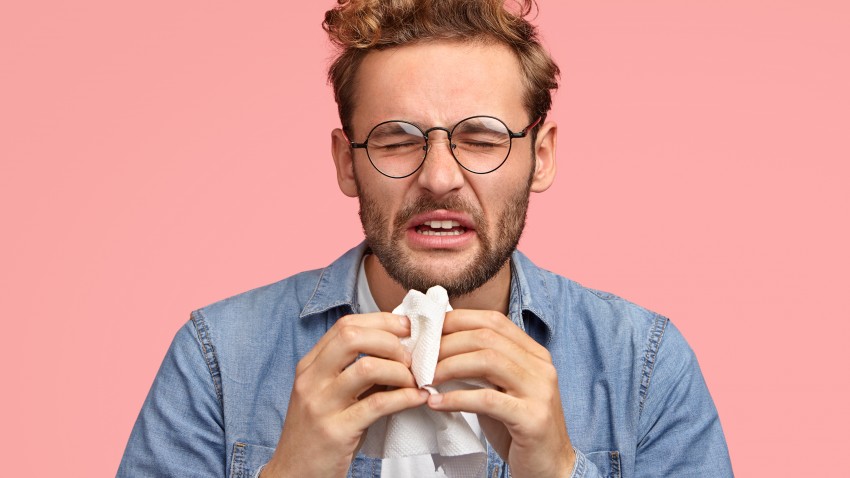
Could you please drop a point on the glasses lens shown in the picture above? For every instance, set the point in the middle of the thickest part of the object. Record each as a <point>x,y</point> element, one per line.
<point>481,143</point>
<point>396,148</point>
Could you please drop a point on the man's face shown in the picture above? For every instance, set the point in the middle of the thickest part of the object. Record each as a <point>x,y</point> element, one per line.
<point>442,225</point>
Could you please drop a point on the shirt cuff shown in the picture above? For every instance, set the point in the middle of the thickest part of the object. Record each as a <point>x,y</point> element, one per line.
<point>580,466</point>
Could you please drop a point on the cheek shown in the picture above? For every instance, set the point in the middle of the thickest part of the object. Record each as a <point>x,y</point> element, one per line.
<point>492,194</point>
<point>386,201</point>
<point>498,198</point>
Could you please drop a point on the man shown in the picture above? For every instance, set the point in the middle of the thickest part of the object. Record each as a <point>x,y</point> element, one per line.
<point>444,135</point>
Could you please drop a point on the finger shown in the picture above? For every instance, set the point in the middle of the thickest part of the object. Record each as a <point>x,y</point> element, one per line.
<point>467,341</point>
<point>465,319</point>
<point>488,364</point>
<point>485,401</point>
<point>352,341</point>
<point>397,325</point>
<point>366,411</point>
<point>367,372</point>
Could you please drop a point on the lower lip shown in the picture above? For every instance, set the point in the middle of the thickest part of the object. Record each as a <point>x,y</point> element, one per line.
<point>422,241</point>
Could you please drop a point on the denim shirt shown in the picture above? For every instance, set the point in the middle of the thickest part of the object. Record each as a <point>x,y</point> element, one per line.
<point>634,399</point>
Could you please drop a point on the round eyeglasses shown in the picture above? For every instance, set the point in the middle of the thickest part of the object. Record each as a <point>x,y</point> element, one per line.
<point>480,145</point>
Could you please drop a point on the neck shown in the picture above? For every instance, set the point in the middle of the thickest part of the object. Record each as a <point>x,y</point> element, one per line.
<point>388,294</point>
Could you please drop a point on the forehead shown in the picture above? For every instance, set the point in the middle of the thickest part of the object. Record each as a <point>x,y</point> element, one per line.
<point>439,83</point>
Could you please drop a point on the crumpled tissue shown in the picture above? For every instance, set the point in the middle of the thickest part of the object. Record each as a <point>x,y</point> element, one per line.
<point>446,436</point>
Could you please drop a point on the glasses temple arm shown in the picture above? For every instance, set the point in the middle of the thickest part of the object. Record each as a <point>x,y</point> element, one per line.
<point>528,128</point>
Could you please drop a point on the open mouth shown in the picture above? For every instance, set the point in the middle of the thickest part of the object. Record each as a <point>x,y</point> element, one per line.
<point>440,228</point>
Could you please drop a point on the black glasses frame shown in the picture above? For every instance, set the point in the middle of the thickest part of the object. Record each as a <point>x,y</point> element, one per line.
<point>511,135</point>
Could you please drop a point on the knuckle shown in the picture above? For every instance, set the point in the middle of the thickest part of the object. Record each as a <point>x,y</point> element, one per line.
<point>300,388</point>
<point>411,394</point>
<point>490,398</point>
<point>349,334</point>
<point>345,320</point>
<point>550,373</point>
<point>389,318</point>
<point>495,317</point>
<point>485,336</point>
<point>354,414</point>
<point>377,401</point>
<point>516,369</point>
<point>490,357</point>
<point>365,367</point>
<point>406,395</point>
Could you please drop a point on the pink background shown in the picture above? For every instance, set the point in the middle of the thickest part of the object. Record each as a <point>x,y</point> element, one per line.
<point>158,156</point>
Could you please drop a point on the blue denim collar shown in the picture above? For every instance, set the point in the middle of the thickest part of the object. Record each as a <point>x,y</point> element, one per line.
<point>530,299</point>
<point>337,285</point>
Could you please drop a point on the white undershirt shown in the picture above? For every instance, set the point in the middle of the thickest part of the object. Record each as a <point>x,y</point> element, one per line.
<point>421,466</point>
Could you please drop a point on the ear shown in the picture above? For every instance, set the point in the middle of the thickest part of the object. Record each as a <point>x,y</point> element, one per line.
<point>343,156</point>
<point>544,149</point>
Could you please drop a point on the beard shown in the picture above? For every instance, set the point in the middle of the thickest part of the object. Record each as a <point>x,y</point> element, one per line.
<point>493,254</point>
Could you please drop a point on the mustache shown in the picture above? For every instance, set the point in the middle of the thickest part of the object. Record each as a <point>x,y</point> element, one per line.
<point>424,204</point>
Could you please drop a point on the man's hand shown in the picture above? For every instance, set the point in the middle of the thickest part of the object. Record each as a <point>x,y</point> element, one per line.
<point>330,409</point>
<point>523,418</point>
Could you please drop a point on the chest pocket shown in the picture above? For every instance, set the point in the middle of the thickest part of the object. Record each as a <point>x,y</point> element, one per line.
<point>247,459</point>
<point>607,462</point>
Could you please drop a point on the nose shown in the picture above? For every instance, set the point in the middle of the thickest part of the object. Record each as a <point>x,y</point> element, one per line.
<point>440,174</point>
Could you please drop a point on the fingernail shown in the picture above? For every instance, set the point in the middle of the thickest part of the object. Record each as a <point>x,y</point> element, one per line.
<point>424,393</point>
<point>408,357</point>
<point>435,399</point>
<point>405,322</point>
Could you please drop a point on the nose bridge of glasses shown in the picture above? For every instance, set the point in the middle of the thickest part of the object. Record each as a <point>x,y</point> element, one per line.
<point>427,134</point>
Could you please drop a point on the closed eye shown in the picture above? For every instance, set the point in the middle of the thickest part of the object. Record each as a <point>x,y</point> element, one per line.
<point>481,144</point>
<point>393,146</point>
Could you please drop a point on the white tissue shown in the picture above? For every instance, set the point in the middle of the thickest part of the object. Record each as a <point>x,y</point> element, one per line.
<point>446,436</point>
<point>426,313</point>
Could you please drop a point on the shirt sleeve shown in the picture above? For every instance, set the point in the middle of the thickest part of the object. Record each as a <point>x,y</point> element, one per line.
<point>179,432</point>
<point>679,429</point>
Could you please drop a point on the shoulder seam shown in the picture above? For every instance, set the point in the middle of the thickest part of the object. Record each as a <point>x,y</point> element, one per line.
<point>208,350</point>
<point>650,356</point>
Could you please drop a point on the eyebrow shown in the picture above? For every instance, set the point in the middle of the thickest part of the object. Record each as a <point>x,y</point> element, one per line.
<point>479,128</point>
<point>447,125</point>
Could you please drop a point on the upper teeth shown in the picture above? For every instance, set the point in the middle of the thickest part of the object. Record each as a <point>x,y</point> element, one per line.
<point>442,224</point>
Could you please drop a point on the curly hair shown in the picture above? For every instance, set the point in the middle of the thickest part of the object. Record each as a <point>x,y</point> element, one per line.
<point>357,27</point>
